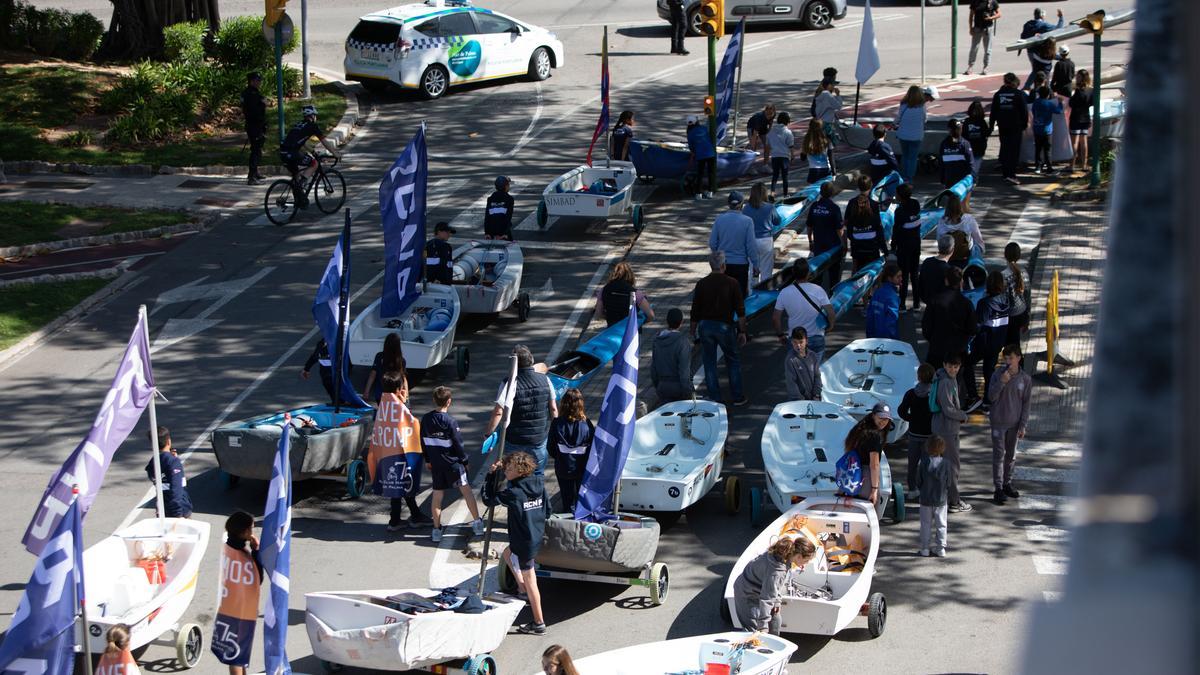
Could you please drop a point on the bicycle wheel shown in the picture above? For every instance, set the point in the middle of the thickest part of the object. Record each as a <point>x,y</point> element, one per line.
<point>330,191</point>
<point>280,203</point>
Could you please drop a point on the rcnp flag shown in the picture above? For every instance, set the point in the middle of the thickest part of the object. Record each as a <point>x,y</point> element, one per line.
<point>602,123</point>
<point>868,51</point>
<point>275,554</point>
<point>402,212</point>
<point>726,77</point>
<point>334,283</point>
<point>394,460</point>
<point>127,397</point>
<point>41,638</point>
<point>614,432</point>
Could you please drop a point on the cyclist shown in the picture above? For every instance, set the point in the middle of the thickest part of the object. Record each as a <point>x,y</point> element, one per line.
<point>296,157</point>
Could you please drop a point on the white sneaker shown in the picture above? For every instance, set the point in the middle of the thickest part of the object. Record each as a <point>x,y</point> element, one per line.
<point>435,535</point>
<point>708,195</point>
<point>477,527</point>
<point>696,197</point>
<point>940,553</point>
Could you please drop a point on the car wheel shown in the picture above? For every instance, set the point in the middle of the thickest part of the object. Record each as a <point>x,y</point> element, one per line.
<point>434,81</point>
<point>936,3</point>
<point>539,64</point>
<point>817,15</point>
<point>693,22</point>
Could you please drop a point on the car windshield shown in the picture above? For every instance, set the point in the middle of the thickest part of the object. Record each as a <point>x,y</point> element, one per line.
<point>377,32</point>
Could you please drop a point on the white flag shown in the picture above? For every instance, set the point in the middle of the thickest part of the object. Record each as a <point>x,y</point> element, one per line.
<point>868,51</point>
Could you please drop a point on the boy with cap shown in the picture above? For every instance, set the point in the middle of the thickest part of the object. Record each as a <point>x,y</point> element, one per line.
<point>497,213</point>
<point>439,255</point>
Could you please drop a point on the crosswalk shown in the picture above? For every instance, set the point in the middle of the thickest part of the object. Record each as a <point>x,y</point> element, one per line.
<point>1048,489</point>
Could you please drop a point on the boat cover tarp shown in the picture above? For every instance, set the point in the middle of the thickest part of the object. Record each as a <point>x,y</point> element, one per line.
<point>247,448</point>
<point>599,547</point>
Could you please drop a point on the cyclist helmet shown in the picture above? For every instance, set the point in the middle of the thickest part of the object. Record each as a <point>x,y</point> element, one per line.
<point>309,110</point>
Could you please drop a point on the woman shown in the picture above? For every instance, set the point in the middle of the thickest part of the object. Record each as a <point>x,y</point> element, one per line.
<point>622,136</point>
<point>956,219</point>
<point>612,299</point>
<point>863,227</point>
<point>762,212</point>
<point>866,440</point>
<point>1080,121</point>
<point>117,659</point>
<point>1015,285</point>
<point>759,590</point>
<point>976,130</point>
<point>556,661</point>
<point>780,146</point>
<point>815,150</point>
<point>390,360</point>
<point>992,313</point>
<point>570,444</point>
<point>910,130</point>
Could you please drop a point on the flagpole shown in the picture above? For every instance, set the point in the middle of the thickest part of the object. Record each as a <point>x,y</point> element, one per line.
<point>154,447</point>
<point>922,41</point>
<point>857,91</point>
<point>82,600</point>
<point>343,301</point>
<point>608,130</point>
<point>616,507</point>
<point>737,92</point>
<point>497,451</point>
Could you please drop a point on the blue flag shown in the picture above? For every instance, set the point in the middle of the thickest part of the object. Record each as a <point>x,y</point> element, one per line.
<point>614,433</point>
<point>726,77</point>
<point>402,212</point>
<point>276,554</point>
<point>334,284</point>
<point>41,638</point>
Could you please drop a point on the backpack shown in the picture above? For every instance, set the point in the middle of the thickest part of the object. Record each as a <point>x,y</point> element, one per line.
<point>933,404</point>
<point>847,473</point>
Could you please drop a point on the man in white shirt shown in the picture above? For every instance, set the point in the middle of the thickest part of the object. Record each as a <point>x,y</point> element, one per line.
<point>803,302</point>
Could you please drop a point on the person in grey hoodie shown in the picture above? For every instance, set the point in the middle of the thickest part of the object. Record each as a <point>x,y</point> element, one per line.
<point>802,370</point>
<point>759,590</point>
<point>1009,391</point>
<point>671,361</point>
<point>933,477</point>
<point>947,420</point>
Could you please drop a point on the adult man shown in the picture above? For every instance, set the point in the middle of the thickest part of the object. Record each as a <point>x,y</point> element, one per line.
<point>802,370</point>
<point>825,232</point>
<point>671,361</point>
<point>958,161</point>
<point>254,110</point>
<point>1009,391</point>
<point>678,26</point>
<point>296,158</point>
<point>1063,77</point>
<point>719,320</point>
<point>982,22</point>
<point>176,502</point>
<point>948,325</point>
<point>803,302</point>
<point>533,407</point>
<point>1034,27</point>
<point>439,255</point>
<point>1011,113</point>
<point>931,278</point>
<point>733,234</point>
<point>498,211</point>
<point>758,125</point>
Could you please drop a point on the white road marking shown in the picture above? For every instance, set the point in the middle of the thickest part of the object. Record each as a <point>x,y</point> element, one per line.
<point>1066,450</point>
<point>1051,565</point>
<point>177,330</point>
<point>1046,502</point>
<point>546,291</point>
<point>529,223</point>
<point>1046,533</point>
<point>1052,596</point>
<point>1030,473</point>
<point>537,115</point>
<point>1028,230</point>
<point>586,299</point>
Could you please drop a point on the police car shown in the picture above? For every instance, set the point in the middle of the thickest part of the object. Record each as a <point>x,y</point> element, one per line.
<point>438,44</point>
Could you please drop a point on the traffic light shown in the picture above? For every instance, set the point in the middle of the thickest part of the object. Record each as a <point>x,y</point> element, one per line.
<point>709,108</point>
<point>712,17</point>
<point>274,11</point>
<point>1093,23</point>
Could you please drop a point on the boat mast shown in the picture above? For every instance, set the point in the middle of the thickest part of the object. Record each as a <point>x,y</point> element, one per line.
<point>343,310</point>
<point>154,448</point>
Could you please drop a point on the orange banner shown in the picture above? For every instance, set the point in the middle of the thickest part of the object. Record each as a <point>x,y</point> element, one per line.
<point>394,460</point>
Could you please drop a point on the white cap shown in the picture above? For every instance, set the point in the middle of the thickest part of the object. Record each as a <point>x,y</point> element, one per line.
<point>693,119</point>
<point>1064,50</point>
<point>930,91</point>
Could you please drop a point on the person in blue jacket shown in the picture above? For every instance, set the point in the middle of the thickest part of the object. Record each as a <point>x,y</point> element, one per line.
<point>882,157</point>
<point>570,445</point>
<point>704,155</point>
<point>176,502</point>
<point>439,255</point>
<point>1034,27</point>
<point>1044,108</point>
<point>993,313</point>
<point>883,311</point>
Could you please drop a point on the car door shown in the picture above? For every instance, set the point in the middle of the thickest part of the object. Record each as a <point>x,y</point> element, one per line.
<point>761,10</point>
<point>506,46</point>
<point>464,53</point>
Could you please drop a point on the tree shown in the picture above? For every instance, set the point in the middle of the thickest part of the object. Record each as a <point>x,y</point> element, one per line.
<point>136,28</point>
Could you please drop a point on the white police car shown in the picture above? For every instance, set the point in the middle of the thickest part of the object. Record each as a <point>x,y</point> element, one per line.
<point>438,44</point>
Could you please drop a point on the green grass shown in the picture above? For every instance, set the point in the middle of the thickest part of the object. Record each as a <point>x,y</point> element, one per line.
<point>25,308</point>
<point>46,97</point>
<point>32,222</point>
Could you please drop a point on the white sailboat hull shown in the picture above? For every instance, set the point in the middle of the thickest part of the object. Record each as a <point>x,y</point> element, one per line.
<point>870,371</point>
<point>426,329</point>
<point>676,457</point>
<point>690,654</point>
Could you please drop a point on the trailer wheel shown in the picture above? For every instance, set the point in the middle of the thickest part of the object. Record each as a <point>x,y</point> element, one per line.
<point>189,645</point>
<point>733,495</point>
<point>356,478</point>
<point>876,614</point>
<point>504,575</point>
<point>639,219</point>
<point>543,216</point>
<point>523,306</point>
<point>756,505</point>
<point>898,509</point>
<point>660,583</point>
<point>480,665</point>
<point>462,362</point>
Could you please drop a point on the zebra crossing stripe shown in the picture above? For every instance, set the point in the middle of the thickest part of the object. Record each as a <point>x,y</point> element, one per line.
<point>1046,533</point>
<point>1040,475</point>
<point>1050,565</point>
<point>1065,450</point>
<point>1046,502</point>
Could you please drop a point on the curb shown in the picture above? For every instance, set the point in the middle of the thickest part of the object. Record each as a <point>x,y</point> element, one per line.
<point>109,273</point>
<point>1097,195</point>
<point>43,248</point>
<point>339,136</point>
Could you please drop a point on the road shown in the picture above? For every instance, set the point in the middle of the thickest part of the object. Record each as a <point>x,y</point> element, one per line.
<point>248,362</point>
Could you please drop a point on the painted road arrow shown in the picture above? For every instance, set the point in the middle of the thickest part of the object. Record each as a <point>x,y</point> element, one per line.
<point>177,330</point>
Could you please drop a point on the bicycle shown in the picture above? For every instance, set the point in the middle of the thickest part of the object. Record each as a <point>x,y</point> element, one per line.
<point>327,188</point>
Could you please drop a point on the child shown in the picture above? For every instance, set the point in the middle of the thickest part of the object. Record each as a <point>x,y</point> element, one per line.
<point>948,417</point>
<point>992,312</point>
<point>906,242</point>
<point>1010,391</point>
<point>883,158</point>
<point>933,479</point>
<point>241,576</point>
<point>914,409</point>
<point>704,156</point>
<point>802,369</point>
<point>815,151</point>
<point>320,356</point>
<point>392,412</point>
<point>556,661</point>
<point>525,497</point>
<point>176,502</point>
<point>976,130</point>
<point>117,659</point>
<point>1044,109</point>
<point>781,145</point>
<point>441,442</point>
<point>883,311</point>
<point>498,211</point>
<point>570,445</point>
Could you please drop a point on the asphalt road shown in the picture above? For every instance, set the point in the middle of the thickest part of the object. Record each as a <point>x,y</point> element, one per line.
<point>963,614</point>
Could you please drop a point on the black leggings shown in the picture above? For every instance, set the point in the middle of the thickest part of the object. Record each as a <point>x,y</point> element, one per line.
<point>779,167</point>
<point>704,174</point>
<point>1041,150</point>
<point>909,262</point>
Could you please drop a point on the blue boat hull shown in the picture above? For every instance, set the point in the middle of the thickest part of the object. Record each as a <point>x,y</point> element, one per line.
<point>674,160</point>
<point>577,367</point>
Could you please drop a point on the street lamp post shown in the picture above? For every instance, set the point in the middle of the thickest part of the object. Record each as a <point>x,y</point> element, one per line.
<point>954,39</point>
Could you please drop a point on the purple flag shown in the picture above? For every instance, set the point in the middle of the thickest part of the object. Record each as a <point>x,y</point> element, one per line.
<point>127,397</point>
